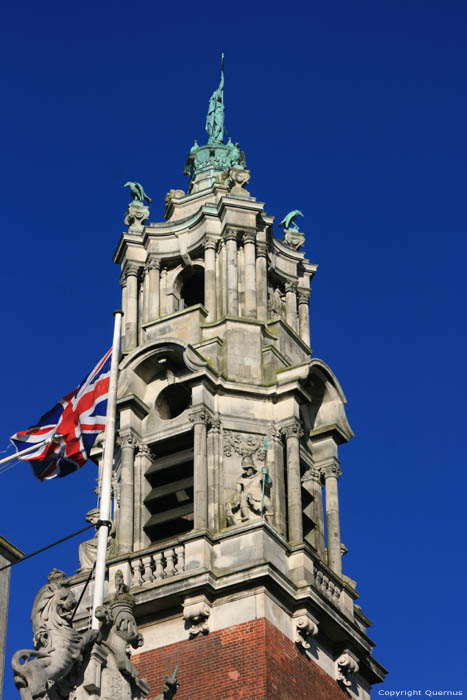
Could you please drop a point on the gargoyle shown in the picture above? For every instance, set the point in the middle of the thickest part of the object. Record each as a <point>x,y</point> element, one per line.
<point>57,646</point>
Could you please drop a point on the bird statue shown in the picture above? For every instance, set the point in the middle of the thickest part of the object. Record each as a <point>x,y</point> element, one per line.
<point>137,192</point>
<point>288,222</point>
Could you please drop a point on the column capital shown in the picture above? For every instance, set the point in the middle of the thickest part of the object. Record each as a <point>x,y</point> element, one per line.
<point>291,287</point>
<point>303,296</point>
<point>231,234</point>
<point>126,438</point>
<point>123,277</point>
<point>215,424</point>
<point>294,429</point>
<point>199,416</point>
<point>145,451</point>
<point>261,249</point>
<point>249,237</point>
<point>152,263</point>
<point>210,243</point>
<point>130,269</point>
<point>331,469</point>
<point>312,473</point>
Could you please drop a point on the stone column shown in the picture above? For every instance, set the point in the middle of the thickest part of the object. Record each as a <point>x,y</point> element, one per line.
<point>291,304</point>
<point>123,286</point>
<point>210,290</point>
<point>331,473</point>
<point>152,290</point>
<point>280,504</point>
<point>163,292</point>
<point>143,461</point>
<point>292,433</point>
<point>213,474</point>
<point>232,272</point>
<point>304,315</point>
<point>200,419</point>
<point>261,281</point>
<point>127,443</point>
<point>131,318</point>
<point>249,239</point>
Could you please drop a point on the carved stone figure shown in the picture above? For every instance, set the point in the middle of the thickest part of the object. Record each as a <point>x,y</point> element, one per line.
<point>57,646</point>
<point>87,550</point>
<point>137,192</point>
<point>215,116</point>
<point>248,497</point>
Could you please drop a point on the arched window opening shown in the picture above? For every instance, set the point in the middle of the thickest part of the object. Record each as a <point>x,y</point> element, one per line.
<point>191,285</point>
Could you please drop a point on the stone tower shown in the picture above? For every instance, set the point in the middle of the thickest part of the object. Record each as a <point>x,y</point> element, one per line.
<point>226,505</point>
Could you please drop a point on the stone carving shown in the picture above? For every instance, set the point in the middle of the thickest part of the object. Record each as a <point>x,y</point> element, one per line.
<point>251,497</point>
<point>292,236</point>
<point>137,192</point>
<point>346,665</point>
<point>305,627</point>
<point>57,646</point>
<point>215,116</point>
<point>126,439</point>
<point>235,179</point>
<point>87,550</point>
<point>136,216</point>
<point>244,444</point>
<point>196,613</point>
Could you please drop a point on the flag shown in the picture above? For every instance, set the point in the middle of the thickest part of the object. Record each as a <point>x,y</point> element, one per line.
<point>76,420</point>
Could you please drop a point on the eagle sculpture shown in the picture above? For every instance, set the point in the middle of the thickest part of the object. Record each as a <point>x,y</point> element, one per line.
<point>288,222</point>
<point>137,192</point>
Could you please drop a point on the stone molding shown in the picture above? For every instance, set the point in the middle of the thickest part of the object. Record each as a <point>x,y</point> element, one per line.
<point>346,665</point>
<point>293,430</point>
<point>306,626</point>
<point>196,612</point>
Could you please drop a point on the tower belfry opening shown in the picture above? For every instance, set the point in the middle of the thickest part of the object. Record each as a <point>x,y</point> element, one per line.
<point>226,487</point>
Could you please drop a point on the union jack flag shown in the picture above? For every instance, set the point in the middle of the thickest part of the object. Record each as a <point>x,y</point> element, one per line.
<point>71,427</point>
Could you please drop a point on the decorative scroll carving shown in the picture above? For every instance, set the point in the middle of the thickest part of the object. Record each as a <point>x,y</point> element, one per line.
<point>330,470</point>
<point>303,296</point>
<point>57,646</point>
<point>252,495</point>
<point>152,264</point>
<point>199,416</point>
<point>196,613</point>
<point>306,626</point>
<point>244,444</point>
<point>88,550</point>
<point>126,439</point>
<point>346,665</point>
<point>293,430</point>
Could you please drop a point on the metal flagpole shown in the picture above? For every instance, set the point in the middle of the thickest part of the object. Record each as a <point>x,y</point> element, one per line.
<point>104,523</point>
<point>20,453</point>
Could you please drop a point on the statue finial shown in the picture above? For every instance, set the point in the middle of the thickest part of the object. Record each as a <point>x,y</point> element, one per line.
<point>215,116</point>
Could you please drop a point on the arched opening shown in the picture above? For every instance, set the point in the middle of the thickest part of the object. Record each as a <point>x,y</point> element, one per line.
<point>172,401</point>
<point>190,286</point>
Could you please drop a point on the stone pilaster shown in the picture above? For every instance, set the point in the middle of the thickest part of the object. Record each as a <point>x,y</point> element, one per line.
<point>230,238</point>
<point>123,287</point>
<point>152,289</point>
<point>210,290</point>
<point>200,420</point>
<point>163,292</point>
<point>304,315</point>
<point>331,473</point>
<point>292,433</point>
<point>131,316</point>
<point>213,466</point>
<point>291,304</point>
<point>249,239</point>
<point>261,281</point>
<point>127,442</point>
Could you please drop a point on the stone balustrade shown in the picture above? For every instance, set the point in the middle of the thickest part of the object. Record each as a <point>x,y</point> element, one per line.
<point>157,566</point>
<point>326,585</point>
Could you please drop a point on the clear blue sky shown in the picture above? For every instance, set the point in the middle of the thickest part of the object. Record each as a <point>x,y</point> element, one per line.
<point>355,113</point>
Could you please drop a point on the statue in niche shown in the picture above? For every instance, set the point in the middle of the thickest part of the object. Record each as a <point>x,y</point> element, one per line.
<point>215,116</point>
<point>87,550</point>
<point>252,494</point>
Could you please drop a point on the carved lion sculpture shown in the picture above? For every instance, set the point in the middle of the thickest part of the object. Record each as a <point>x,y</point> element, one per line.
<point>57,646</point>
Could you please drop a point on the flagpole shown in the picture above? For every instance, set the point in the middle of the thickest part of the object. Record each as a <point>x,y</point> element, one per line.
<point>19,454</point>
<point>106,480</point>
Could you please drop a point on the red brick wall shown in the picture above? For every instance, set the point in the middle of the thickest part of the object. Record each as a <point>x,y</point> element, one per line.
<point>251,661</point>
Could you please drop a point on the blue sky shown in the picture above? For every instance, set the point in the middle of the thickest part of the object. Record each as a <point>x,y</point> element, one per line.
<point>353,112</point>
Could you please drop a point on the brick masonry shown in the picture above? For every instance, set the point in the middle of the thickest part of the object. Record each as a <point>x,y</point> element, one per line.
<point>251,661</point>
